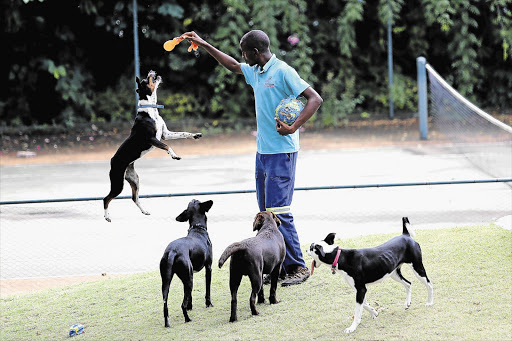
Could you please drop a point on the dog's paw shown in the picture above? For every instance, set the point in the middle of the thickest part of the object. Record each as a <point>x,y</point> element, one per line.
<point>197,136</point>
<point>352,327</point>
<point>350,330</point>
<point>173,154</point>
<point>107,215</point>
<point>209,304</point>
<point>429,304</point>
<point>273,300</point>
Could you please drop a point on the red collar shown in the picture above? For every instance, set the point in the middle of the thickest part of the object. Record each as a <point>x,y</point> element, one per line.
<point>335,264</point>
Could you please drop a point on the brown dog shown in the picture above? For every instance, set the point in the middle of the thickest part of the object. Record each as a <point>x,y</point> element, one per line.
<point>253,257</point>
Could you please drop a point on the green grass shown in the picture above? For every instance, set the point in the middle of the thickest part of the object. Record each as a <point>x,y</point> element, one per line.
<point>470,267</point>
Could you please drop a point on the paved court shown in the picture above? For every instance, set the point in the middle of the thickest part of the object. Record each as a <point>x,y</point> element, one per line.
<point>71,239</point>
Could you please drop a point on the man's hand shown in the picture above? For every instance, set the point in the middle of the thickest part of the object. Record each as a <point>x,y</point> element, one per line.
<point>283,128</point>
<point>193,37</point>
<point>313,103</point>
<point>225,60</point>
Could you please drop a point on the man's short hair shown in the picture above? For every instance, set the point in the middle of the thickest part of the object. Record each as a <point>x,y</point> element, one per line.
<point>256,39</point>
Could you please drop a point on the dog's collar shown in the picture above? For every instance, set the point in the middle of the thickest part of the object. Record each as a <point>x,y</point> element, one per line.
<point>202,227</point>
<point>157,106</point>
<point>198,226</point>
<point>335,264</point>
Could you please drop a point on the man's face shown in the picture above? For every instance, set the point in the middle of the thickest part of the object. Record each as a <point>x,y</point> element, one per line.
<point>249,55</point>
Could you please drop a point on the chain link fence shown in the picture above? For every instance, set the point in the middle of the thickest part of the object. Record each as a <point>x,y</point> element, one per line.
<point>66,239</point>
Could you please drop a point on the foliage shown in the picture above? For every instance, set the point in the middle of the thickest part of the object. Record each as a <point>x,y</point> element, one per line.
<point>502,17</point>
<point>112,104</point>
<point>63,69</point>
<point>180,105</point>
<point>352,13</point>
<point>338,105</point>
<point>404,94</point>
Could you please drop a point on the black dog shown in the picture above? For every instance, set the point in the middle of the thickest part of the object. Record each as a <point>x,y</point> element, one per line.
<point>187,255</point>
<point>360,267</point>
<point>253,257</point>
<point>148,129</point>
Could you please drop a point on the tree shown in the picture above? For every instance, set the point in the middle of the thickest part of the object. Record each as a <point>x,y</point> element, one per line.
<point>72,61</point>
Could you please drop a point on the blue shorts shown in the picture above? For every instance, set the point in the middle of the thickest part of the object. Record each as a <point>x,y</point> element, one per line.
<point>275,182</point>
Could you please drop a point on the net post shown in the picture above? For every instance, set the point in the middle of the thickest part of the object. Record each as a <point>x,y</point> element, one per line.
<point>422,97</point>
<point>136,49</point>
<point>390,71</point>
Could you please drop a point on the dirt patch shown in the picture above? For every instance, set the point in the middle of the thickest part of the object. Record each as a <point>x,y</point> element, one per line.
<point>101,145</point>
<point>25,286</point>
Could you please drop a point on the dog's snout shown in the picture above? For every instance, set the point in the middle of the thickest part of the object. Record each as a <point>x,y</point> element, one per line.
<point>312,247</point>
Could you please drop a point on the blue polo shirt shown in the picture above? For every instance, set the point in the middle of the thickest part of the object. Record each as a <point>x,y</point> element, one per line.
<point>272,83</point>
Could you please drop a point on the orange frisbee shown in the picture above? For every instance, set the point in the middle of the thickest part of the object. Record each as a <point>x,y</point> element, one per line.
<point>193,46</point>
<point>169,45</point>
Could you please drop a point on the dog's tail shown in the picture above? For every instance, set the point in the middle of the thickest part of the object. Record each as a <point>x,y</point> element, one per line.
<point>407,228</point>
<point>229,251</point>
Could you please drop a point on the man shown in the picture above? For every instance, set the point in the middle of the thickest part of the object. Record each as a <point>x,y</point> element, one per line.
<point>277,143</point>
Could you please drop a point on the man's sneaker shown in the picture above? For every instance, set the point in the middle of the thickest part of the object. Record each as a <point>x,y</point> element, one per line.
<point>266,278</point>
<point>299,276</point>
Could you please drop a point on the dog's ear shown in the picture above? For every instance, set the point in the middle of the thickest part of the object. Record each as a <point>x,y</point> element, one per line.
<point>330,238</point>
<point>258,222</point>
<point>183,216</point>
<point>320,250</point>
<point>137,80</point>
<point>205,206</point>
<point>276,219</point>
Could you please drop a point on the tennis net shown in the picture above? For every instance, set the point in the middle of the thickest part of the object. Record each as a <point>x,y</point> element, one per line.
<point>485,141</point>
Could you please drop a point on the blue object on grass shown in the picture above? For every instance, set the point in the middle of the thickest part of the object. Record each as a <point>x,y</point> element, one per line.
<point>76,329</point>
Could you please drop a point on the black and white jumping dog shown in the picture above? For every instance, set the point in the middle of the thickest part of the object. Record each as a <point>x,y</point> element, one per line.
<point>360,267</point>
<point>148,128</point>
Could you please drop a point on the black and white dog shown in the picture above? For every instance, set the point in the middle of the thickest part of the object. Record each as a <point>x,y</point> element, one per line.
<point>148,129</point>
<point>360,267</point>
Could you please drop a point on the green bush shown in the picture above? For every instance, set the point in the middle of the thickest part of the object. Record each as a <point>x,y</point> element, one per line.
<point>337,105</point>
<point>405,94</point>
<point>114,104</point>
<point>180,105</point>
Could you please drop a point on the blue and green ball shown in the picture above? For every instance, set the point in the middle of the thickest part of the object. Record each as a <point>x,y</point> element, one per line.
<point>288,110</point>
